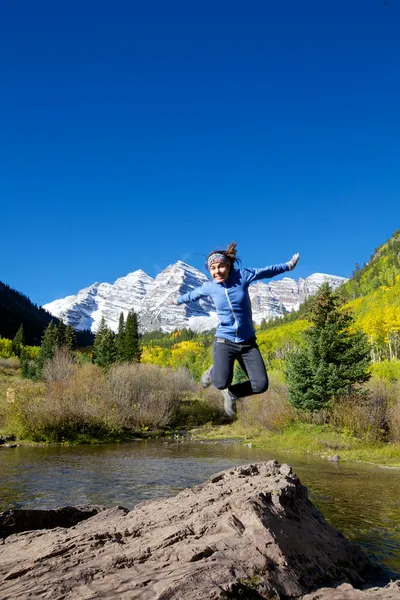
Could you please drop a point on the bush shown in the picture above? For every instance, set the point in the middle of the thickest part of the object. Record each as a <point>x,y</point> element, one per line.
<point>6,348</point>
<point>271,410</point>
<point>386,394</point>
<point>84,400</point>
<point>145,395</point>
<point>206,407</point>
<point>8,366</point>
<point>363,415</point>
<point>387,370</point>
<point>394,421</point>
<point>59,368</point>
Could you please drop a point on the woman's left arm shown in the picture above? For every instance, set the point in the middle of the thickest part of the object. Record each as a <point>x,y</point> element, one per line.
<point>271,271</point>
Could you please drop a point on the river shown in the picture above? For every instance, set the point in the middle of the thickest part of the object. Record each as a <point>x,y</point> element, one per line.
<point>363,501</point>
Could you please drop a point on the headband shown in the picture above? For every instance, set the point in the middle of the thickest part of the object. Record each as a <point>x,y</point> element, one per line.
<point>217,257</point>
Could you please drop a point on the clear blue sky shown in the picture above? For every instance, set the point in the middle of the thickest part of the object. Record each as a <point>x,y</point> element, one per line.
<point>135,134</point>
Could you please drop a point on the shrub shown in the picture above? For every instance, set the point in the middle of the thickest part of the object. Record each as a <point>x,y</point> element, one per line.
<point>59,368</point>
<point>387,370</point>
<point>6,348</point>
<point>270,410</point>
<point>362,415</point>
<point>8,366</point>
<point>145,395</point>
<point>394,421</point>
<point>386,394</point>
<point>199,409</point>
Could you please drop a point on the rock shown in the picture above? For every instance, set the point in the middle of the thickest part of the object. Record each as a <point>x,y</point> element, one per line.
<point>248,532</point>
<point>334,458</point>
<point>19,520</point>
<point>345,591</point>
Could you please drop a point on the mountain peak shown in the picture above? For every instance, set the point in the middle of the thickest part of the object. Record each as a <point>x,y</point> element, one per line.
<point>151,298</point>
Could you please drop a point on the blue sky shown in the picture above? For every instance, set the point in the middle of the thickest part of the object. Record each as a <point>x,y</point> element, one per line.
<point>137,134</point>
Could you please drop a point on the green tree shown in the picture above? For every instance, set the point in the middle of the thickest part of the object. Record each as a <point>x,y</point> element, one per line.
<point>62,329</point>
<point>120,341</point>
<point>70,338</point>
<point>48,346</point>
<point>263,324</point>
<point>18,341</point>
<point>132,348</point>
<point>104,348</point>
<point>332,360</point>
<point>24,362</point>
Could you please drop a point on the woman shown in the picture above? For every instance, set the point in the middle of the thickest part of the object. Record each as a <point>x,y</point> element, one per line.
<point>235,337</point>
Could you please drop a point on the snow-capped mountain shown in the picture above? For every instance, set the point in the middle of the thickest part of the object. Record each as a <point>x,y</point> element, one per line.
<point>151,300</point>
<point>84,311</point>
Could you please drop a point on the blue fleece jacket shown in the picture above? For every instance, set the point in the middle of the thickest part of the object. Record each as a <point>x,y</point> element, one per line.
<point>232,301</point>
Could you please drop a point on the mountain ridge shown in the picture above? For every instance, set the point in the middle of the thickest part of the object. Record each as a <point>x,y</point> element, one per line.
<point>150,299</point>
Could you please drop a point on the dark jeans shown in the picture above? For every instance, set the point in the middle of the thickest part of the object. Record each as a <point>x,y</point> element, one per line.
<point>248,356</point>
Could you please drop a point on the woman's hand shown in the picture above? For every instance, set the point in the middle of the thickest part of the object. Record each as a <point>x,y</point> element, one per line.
<point>293,261</point>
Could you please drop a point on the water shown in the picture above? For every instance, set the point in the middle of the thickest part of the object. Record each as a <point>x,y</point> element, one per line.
<point>362,501</point>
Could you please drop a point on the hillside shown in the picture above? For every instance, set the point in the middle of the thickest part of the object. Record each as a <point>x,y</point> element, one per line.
<point>373,295</point>
<point>382,269</point>
<point>16,308</point>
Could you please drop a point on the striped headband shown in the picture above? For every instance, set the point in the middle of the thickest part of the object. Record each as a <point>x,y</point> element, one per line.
<point>217,257</point>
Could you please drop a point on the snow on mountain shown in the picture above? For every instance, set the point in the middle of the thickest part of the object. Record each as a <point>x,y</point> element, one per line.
<point>84,311</point>
<point>157,312</point>
<point>151,300</point>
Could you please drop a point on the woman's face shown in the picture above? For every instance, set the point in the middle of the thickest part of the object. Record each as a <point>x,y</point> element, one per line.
<point>219,271</point>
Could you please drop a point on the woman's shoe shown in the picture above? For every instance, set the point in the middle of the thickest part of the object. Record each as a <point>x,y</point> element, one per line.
<point>229,402</point>
<point>206,378</point>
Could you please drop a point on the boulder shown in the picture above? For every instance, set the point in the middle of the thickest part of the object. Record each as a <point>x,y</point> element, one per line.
<point>248,532</point>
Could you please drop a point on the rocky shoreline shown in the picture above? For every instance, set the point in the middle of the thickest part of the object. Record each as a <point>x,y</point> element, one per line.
<point>248,532</point>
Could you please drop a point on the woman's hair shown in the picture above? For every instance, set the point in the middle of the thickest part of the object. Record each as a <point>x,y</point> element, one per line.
<point>229,253</point>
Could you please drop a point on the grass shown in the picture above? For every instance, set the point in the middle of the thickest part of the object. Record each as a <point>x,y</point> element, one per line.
<point>306,438</point>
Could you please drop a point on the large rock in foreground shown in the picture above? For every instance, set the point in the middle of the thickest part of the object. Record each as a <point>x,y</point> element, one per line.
<point>249,532</point>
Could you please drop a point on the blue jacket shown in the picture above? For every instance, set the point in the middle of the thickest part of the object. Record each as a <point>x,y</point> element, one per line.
<point>232,301</point>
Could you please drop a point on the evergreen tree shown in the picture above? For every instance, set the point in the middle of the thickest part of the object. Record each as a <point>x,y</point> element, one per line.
<point>24,362</point>
<point>104,347</point>
<point>332,359</point>
<point>48,347</point>
<point>132,349</point>
<point>70,338</point>
<point>18,341</point>
<point>97,338</point>
<point>61,334</point>
<point>120,341</point>
<point>263,324</point>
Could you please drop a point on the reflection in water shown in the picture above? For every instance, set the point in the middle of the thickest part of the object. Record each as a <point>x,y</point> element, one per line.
<point>361,500</point>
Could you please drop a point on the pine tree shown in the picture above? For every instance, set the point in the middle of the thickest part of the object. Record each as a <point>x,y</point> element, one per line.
<point>332,359</point>
<point>70,338</point>
<point>132,349</point>
<point>104,348</point>
<point>263,324</point>
<point>48,347</point>
<point>120,341</point>
<point>24,362</point>
<point>61,334</point>
<point>18,341</point>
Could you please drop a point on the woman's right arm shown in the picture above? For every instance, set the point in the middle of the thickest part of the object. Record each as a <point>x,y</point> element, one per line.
<point>195,294</point>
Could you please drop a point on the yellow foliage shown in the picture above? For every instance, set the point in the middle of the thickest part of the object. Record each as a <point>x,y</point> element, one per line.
<point>275,343</point>
<point>6,348</point>
<point>378,315</point>
<point>155,355</point>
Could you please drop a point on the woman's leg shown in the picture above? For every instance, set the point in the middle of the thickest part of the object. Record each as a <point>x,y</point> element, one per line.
<point>224,355</point>
<point>252,363</point>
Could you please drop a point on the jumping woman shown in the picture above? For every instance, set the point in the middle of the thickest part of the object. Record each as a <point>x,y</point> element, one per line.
<point>235,336</point>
